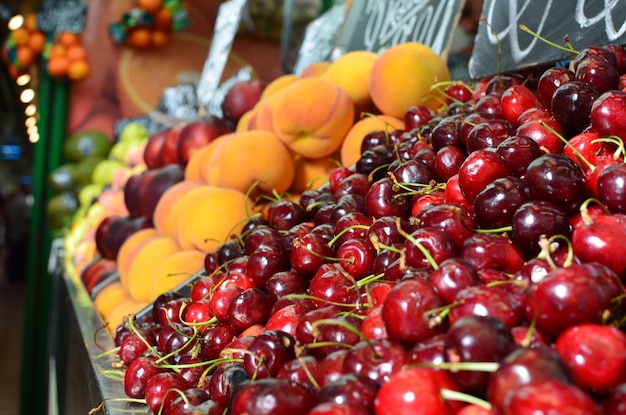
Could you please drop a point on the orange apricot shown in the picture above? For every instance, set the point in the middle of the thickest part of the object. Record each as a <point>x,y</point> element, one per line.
<point>147,260</point>
<point>312,173</point>
<point>315,69</point>
<point>162,215</point>
<point>351,146</point>
<point>402,76</point>
<point>210,218</point>
<point>278,84</point>
<point>352,72</point>
<point>77,71</point>
<point>312,116</point>
<point>175,270</point>
<point>129,248</point>
<point>254,157</point>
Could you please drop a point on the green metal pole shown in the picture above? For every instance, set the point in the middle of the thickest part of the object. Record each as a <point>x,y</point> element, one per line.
<point>52,104</point>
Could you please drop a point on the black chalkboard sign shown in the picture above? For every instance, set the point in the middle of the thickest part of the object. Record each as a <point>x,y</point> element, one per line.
<point>375,25</point>
<point>584,22</point>
<point>62,16</point>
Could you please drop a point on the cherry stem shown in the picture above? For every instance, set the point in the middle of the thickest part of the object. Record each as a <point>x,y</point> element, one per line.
<point>177,391</point>
<point>340,323</point>
<point>385,123</point>
<point>494,230</point>
<point>488,367</point>
<point>419,246</point>
<point>114,374</point>
<point>344,231</point>
<point>317,345</point>
<point>312,297</point>
<point>213,364</point>
<point>437,315</point>
<point>613,139</point>
<point>452,395</point>
<point>578,154</point>
<point>175,352</point>
<point>131,326</point>
<point>298,244</point>
<point>363,282</point>
<point>107,352</point>
<point>569,49</point>
<point>584,210</point>
<point>308,373</point>
<point>99,407</point>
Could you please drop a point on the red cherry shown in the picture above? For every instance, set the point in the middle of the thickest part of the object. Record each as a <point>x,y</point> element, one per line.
<point>416,392</point>
<point>595,355</point>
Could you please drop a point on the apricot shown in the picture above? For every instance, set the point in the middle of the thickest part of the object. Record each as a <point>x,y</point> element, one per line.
<point>254,157</point>
<point>129,248</point>
<point>402,76</point>
<point>312,173</point>
<point>351,147</point>
<point>352,72</point>
<point>315,69</point>
<point>161,218</point>
<point>122,311</point>
<point>312,116</point>
<point>277,84</point>
<point>209,172</point>
<point>208,216</point>
<point>147,260</point>
<point>175,270</point>
<point>109,297</point>
<point>178,208</point>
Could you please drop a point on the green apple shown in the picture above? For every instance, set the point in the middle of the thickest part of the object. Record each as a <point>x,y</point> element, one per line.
<point>104,171</point>
<point>133,131</point>
<point>89,193</point>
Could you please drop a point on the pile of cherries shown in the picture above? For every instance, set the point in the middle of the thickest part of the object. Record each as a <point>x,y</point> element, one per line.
<point>472,263</point>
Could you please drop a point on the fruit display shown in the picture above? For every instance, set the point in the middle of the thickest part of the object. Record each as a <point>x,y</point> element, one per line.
<point>67,57</point>
<point>149,24</point>
<point>23,47</point>
<point>91,186</point>
<point>393,242</point>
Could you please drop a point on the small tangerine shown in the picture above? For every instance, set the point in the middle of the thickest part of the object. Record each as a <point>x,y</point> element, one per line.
<point>78,70</point>
<point>58,66</point>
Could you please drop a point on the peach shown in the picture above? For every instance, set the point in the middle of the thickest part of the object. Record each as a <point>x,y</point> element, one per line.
<point>175,270</point>
<point>147,260</point>
<point>312,116</point>
<point>312,173</point>
<point>402,76</point>
<point>209,172</point>
<point>209,217</point>
<point>351,147</point>
<point>352,72</point>
<point>254,158</point>
<point>163,211</point>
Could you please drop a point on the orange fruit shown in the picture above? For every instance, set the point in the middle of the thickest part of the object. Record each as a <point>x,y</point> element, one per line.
<point>68,38</point>
<point>25,56</point>
<point>37,41</point>
<point>139,38</point>
<point>151,6</point>
<point>58,50</point>
<point>20,36</point>
<point>160,38</point>
<point>163,19</point>
<point>58,66</point>
<point>77,71</point>
<point>76,52</point>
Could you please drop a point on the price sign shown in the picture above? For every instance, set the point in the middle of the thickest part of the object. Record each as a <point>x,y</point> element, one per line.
<point>584,22</point>
<point>226,26</point>
<point>62,16</point>
<point>375,25</point>
<point>320,37</point>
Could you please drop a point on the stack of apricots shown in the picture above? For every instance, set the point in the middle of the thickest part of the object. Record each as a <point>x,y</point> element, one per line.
<point>302,128</point>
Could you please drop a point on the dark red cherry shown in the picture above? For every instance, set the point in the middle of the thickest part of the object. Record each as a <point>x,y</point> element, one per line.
<point>496,204</point>
<point>267,354</point>
<point>536,219</point>
<point>518,151</point>
<point>478,170</point>
<point>549,81</point>
<point>551,395</point>
<point>271,396</point>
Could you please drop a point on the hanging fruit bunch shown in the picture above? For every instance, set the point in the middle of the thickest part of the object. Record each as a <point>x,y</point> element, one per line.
<point>150,24</point>
<point>23,47</point>
<point>67,57</point>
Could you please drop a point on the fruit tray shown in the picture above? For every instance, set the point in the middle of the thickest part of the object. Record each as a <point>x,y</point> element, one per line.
<point>79,362</point>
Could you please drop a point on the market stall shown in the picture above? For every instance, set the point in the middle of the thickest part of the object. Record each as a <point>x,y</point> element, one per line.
<point>329,220</point>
